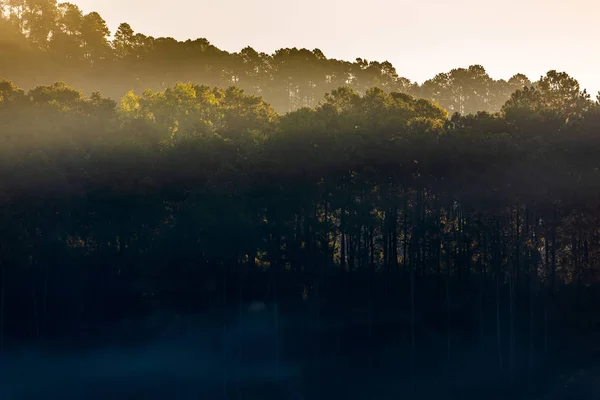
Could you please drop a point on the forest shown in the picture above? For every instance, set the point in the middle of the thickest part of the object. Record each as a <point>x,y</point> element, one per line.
<point>464,209</point>
<point>43,42</point>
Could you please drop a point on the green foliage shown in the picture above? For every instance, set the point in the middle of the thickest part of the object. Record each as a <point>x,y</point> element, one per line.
<point>49,41</point>
<point>190,111</point>
<point>228,132</point>
<point>9,92</point>
<point>303,166</point>
<point>58,93</point>
<point>173,190</point>
<point>550,104</point>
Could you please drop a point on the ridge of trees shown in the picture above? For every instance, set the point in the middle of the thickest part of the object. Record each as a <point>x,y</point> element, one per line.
<point>194,194</point>
<point>45,41</point>
<point>381,183</point>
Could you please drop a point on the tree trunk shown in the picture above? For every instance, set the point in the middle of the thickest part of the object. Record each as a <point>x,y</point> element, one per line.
<point>438,242</point>
<point>348,249</point>
<point>225,358</point>
<point>448,301</point>
<point>241,311</point>
<point>35,310</point>
<point>2,290</point>
<point>276,323</point>
<point>498,262</point>
<point>467,249</point>
<point>511,341</point>
<point>412,325</point>
<point>513,281</point>
<point>481,295</point>
<point>372,248</point>
<point>330,250</point>
<point>423,247</point>
<point>532,269</point>
<point>371,283</point>
<point>342,242</point>
<point>394,236</point>
<point>405,234</point>
<point>547,297</point>
<point>45,302</point>
<point>553,246</point>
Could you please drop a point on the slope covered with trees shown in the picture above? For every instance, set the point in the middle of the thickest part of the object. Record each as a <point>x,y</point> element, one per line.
<point>462,226</point>
<point>44,41</point>
<point>180,197</point>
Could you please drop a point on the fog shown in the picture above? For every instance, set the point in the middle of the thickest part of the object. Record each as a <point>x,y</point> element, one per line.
<point>184,357</point>
<point>253,351</point>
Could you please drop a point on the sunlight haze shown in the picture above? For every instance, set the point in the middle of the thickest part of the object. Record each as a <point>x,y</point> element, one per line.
<point>284,200</point>
<point>420,38</point>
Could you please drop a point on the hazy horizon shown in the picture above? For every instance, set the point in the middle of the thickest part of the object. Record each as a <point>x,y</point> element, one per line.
<point>525,36</point>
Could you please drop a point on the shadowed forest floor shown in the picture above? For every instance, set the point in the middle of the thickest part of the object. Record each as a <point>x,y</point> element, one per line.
<point>245,355</point>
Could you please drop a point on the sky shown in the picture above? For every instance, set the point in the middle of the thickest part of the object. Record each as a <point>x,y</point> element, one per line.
<point>419,37</point>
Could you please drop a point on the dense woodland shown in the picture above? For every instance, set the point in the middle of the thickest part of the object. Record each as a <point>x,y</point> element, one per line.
<point>475,211</point>
<point>42,42</point>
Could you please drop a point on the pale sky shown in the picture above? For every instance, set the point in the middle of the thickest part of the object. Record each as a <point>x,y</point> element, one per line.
<point>419,37</point>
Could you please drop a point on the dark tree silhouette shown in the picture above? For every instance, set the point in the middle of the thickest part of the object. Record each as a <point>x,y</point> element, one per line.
<point>462,209</point>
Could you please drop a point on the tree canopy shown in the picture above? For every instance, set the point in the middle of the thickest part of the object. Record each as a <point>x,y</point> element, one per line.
<point>56,42</point>
<point>198,177</point>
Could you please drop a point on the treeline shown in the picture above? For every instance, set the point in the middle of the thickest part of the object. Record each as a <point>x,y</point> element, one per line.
<point>43,42</point>
<point>196,195</point>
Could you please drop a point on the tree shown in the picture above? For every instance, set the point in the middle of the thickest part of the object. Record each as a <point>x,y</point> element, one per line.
<point>549,104</point>
<point>124,41</point>
<point>288,79</point>
<point>562,93</point>
<point>461,90</point>
<point>10,93</point>
<point>94,34</point>
<point>58,93</point>
<point>66,40</point>
<point>40,20</point>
